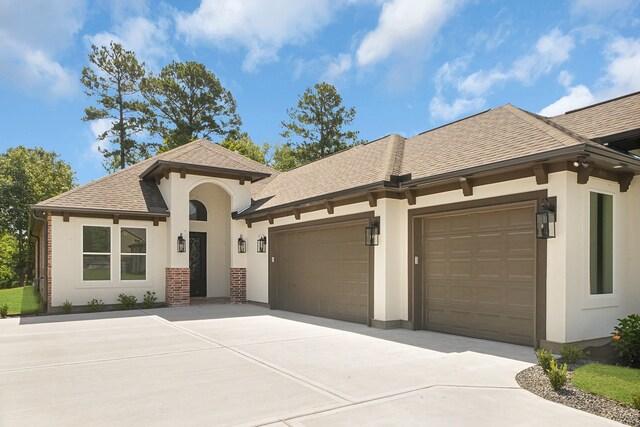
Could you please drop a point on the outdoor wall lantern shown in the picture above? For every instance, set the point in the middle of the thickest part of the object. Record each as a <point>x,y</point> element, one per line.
<point>546,221</point>
<point>371,234</point>
<point>182,244</point>
<point>242,245</point>
<point>262,243</point>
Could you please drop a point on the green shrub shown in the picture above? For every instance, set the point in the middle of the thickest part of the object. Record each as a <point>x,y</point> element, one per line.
<point>571,353</point>
<point>149,299</point>
<point>4,310</point>
<point>66,306</point>
<point>127,302</point>
<point>544,358</point>
<point>635,401</point>
<point>557,375</point>
<point>95,306</point>
<point>626,338</point>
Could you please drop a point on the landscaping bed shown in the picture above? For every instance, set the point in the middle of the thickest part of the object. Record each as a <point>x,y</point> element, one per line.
<point>535,380</point>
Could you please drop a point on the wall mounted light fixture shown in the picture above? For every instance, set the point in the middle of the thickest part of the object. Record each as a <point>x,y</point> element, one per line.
<point>182,244</point>
<point>242,245</point>
<point>372,234</point>
<point>262,243</point>
<point>546,221</point>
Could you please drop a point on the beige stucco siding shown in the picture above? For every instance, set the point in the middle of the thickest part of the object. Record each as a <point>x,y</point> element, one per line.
<point>66,252</point>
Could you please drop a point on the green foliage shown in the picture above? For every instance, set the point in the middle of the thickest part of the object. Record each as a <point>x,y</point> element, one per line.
<point>544,358</point>
<point>8,260</point>
<point>66,306</point>
<point>27,176</point>
<point>284,158</point>
<point>114,81</point>
<point>4,310</point>
<point>188,102</point>
<point>635,401</point>
<point>95,305</point>
<point>626,338</point>
<point>571,353</point>
<point>127,302</point>
<point>149,299</point>
<point>619,383</point>
<point>316,124</point>
<point>242,144</point>
<point>557,375</point>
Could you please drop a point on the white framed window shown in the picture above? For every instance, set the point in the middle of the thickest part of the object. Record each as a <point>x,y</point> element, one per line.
<point>600,243</point>
<point>133,253</point>
<point>96,253</point>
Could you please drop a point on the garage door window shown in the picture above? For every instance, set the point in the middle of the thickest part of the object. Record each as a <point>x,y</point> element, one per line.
<point>601,243</point>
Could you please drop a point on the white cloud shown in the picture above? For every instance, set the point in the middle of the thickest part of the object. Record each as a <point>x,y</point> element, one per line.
<point>262,27</point>
<point>406,27</point>
<point>337,67</point>
<point>97,128</point>
<point>565,78</point>
<point>599,9</point>
<point>439,109</point>
<point>578,97</point>
<point>149,40</point>
<point>31,35</point>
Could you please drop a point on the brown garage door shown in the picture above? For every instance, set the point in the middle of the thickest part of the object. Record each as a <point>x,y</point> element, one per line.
<point>479,273</point>
<point>322,271</point>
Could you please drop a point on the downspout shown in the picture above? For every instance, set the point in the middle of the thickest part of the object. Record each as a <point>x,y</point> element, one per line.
<point>42,257</point>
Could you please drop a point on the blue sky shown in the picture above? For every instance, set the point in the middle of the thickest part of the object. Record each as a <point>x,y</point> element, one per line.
<point>406,65</point>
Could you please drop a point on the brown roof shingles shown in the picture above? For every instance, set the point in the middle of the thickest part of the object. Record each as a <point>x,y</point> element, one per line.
<point>607,118</point>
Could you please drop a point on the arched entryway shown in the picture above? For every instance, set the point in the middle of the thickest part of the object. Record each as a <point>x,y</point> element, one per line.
<point>209,240</point>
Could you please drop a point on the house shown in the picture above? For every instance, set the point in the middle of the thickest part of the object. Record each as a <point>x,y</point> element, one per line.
<point>504,225</point>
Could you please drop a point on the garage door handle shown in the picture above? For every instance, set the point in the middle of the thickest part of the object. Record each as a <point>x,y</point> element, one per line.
<point>415,260</point>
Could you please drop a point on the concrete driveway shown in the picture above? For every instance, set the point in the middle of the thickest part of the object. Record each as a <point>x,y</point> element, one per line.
<point>215,365</point>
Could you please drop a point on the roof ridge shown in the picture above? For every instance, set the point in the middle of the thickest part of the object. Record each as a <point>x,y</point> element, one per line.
<point>252,163</point>
<point>395,148</point>
<point>457,121</point>
<point>598,103</point>
<point>544,125</point>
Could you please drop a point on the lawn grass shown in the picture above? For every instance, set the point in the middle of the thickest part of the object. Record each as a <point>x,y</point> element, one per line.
<point>23,300</point>
<point>615,382</point>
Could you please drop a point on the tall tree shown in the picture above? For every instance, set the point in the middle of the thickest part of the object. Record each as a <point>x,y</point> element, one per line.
<point>316,125</point>
<point>115,83</point>
<point>188,102</point>
<point>284,158</point>
<point>27,176</point>
<point>241,143</point>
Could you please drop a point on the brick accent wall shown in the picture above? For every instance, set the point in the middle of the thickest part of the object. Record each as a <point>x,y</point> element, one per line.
<point>238,289</point>
<point>177,287</point>
<point>49,237</point>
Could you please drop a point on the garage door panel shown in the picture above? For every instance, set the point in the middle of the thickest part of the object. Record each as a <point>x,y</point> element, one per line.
<point>323,271</point>
<point>488,292</point>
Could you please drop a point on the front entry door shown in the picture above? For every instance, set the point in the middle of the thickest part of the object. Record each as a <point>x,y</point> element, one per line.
<point>198,264</point>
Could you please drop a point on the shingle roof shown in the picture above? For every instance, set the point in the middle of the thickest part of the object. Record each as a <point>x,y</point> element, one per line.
<point>125,191</point>
<point>607,118</point>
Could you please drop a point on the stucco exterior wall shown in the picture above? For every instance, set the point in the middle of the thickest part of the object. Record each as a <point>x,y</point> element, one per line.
<point>66,271</point>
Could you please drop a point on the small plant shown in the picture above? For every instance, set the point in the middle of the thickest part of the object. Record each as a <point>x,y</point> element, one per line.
<point>66,306</point>
<point>571,353</point>
<point>127,302</point>
<point>626,338</point>
<point>95,305</point>
<point>557,375</point>
<point>4,310</point>
<point>544,359</point>
<point>149,299</point>
<point>635,401</point>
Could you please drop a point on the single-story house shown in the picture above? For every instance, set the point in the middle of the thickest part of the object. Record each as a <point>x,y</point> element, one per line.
<point>505,225</point>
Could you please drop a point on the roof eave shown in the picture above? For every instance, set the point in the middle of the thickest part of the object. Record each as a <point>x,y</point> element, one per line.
<point>159,167</point>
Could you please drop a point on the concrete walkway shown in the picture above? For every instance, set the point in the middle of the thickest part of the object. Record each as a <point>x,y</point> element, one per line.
<point>213,365</point>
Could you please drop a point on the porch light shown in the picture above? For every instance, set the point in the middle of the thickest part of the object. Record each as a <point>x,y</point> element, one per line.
<point>546,221</point>
<point>262,243</point>
<point>182,244</point>
<point>242,245</point>
<point>371,234</point>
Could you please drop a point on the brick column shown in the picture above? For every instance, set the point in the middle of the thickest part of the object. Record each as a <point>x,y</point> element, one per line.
<point>238,289</point>
<point>177,286</point>
<point>48,271</point>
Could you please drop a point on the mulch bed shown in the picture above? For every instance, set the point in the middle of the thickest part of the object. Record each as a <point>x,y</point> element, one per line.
<point>535,380</point>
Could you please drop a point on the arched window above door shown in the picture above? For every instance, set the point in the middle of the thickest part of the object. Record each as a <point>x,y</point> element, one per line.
<point>197,211</point>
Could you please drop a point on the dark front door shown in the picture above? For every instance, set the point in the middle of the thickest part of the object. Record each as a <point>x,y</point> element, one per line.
<point>198,264</point>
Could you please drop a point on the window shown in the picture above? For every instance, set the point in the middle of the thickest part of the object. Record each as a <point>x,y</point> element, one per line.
<point>96,253</point>
<point>197,211</point>
<point>601,243</point>
<point>133,253</point>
